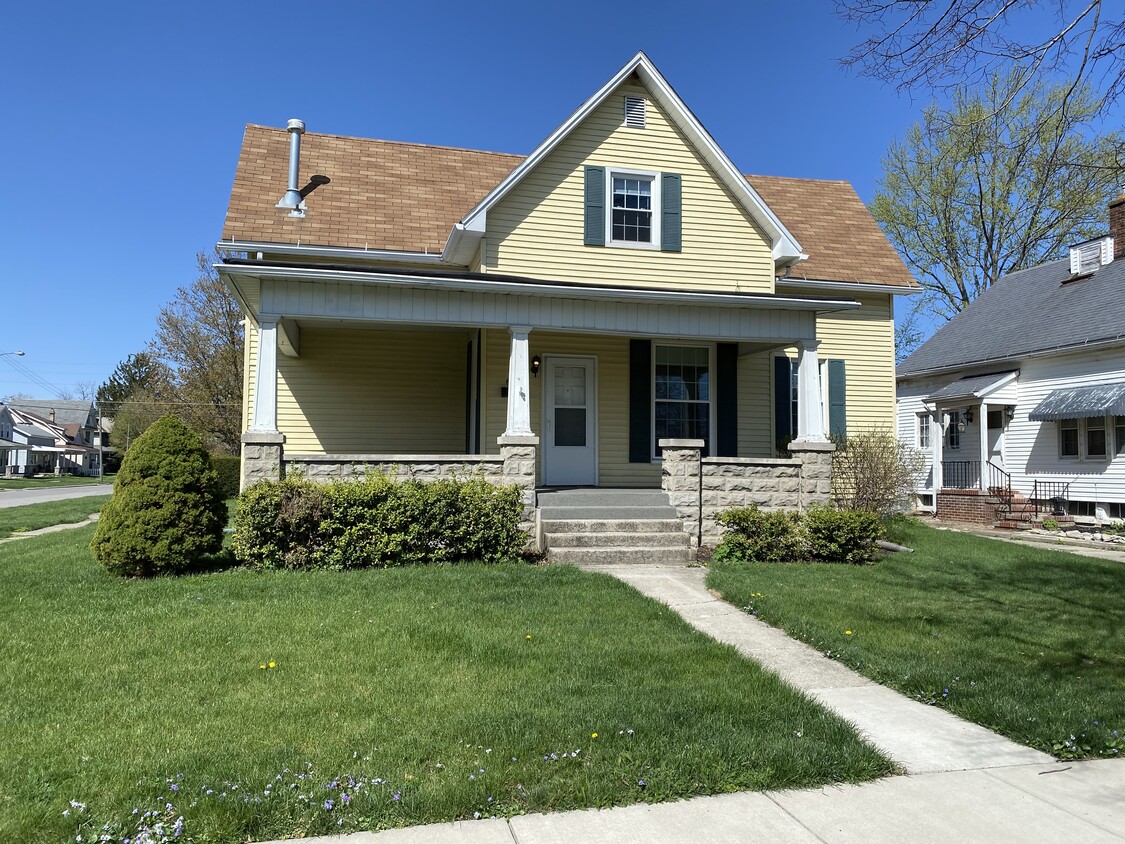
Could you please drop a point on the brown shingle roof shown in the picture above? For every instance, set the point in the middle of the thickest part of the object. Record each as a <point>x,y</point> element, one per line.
<point>383,194</point>
<point>834,227</point>
<point>407,197</point>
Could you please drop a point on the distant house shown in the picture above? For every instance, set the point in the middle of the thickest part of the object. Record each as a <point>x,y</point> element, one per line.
<point>50,436</point>
<point>1026,387</point>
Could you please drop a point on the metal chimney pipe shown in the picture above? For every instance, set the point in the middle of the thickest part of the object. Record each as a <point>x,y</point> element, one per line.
<point>292,199</point>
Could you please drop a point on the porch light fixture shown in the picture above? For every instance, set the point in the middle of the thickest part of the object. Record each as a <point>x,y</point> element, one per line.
<point>961,425</point>
<point>1009,412</point>
<point>967,415</point>
<point>536,362</point>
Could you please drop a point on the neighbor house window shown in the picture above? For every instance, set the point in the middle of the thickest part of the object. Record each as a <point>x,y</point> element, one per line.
<point>923,430</point>
<point>953,435</point>
<point>1096,445</point>
<point>1068,438</point>
<point>1119,434</point>
<point>682,407</point>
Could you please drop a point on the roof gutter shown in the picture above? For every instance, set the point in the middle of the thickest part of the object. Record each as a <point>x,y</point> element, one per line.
<point>850,286</point>
<point>558,291</point>
<point>1057,350</point>
<point>297,250</point>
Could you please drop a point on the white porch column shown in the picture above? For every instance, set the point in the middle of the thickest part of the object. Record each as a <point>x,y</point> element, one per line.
<point>519,388</point>
<point>937,446</point>
<point>982,427</point>
<point>263,418</point>
<point>810,415</point>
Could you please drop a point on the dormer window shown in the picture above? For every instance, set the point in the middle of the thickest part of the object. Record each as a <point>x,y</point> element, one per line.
<point>1089,256</point>
<point>638,209</point>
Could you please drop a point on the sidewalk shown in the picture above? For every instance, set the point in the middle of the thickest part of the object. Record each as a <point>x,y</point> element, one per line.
<point>964,783</point>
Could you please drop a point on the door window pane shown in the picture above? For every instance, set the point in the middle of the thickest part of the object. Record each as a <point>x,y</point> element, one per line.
<point>570,426</point>
<point>570,386</point>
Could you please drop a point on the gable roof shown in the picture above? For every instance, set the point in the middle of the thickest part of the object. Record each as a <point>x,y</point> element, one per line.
<point>842,239</point>
<point>786,249</point>
<point>66,410</point>
<point>1028,312</point>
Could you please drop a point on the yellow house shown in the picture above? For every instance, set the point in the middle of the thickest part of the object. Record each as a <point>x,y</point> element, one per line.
<point>552,319</point>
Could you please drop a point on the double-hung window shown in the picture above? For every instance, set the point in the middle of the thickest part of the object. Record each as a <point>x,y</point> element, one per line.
<point>1119,434</point>
<point>923,430</point>
<point>1088,439</point>
<point>953,433</point>
<point>683,394</point>
<point>634,208</point>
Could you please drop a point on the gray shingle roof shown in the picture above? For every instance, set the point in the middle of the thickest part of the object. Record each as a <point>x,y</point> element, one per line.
<point>1081,402</point>
<point>968,387</point>
<point>1025,312</point>
<point>66,410</point>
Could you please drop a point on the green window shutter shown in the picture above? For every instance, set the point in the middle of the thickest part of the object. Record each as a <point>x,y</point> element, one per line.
<point>595,206</point>
<point>726,402</point>
<point>671,229</point>
<point>837,399</point>
<point>640,401</point>
<point>782,404</point>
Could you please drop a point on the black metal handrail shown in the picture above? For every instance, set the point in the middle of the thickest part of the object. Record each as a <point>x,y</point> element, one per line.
<point>960,474</point>
<point>1000,486</point>
<point>1051,496</point>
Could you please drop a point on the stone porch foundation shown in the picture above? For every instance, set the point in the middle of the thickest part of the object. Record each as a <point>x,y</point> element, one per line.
<point>702,487</point>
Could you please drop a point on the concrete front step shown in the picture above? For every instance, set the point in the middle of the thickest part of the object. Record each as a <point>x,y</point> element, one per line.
<point>621,556</point>
<point>553,513</point>
<point>609,539</point>
<point>553,526</point>
<point>603,498</point>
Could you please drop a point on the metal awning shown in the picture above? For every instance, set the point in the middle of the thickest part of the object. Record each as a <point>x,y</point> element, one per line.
<point>1081,403</point>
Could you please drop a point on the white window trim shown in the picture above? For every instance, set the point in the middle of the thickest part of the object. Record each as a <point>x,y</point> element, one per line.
<point>929,427</point>
<point>626,172</point>
<point>1084,455</point>
<point>711,384</point>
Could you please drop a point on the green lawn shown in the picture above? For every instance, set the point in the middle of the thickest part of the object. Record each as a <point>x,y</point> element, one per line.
<point>53,482</point>
<point>1026,641</point>
<point>422,694</point>
<point>35,516</point>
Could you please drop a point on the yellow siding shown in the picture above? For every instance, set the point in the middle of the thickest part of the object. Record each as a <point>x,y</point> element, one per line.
<point>865,338</point>
<point>537,229</point>
<point>755,403</point>
<point>379,392</point>
<point>612,355</point>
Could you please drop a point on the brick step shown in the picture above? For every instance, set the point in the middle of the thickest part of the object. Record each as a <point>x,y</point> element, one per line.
<point>608,539</point>
<point>621,556</point>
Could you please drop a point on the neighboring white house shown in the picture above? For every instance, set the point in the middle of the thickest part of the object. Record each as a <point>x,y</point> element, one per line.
<point>53,435</point>
<point>1025,390</point>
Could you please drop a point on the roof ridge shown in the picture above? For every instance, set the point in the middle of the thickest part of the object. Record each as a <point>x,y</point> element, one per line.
<point>396,143</point>
<point>798,179</point>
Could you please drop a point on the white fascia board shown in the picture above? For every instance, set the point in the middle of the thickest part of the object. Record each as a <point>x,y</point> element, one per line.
<point>997,384</point>
<point>786,248</point>
<point>855,287</point>
<point>463,243</point>
<point>297,250</point>
<point>231,285</point>
<point>549,290</point>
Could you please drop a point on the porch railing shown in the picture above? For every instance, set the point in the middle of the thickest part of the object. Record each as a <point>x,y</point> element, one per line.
<point>960,474</point>
<point>1050,497</point>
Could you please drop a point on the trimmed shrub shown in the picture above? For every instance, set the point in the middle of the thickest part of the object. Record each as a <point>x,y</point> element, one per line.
<point>822,534</point>
<point>166,511</point>
<point>758,536</point>
<point>841,536</point>
<point>229,472</point>
<point>376,522</point>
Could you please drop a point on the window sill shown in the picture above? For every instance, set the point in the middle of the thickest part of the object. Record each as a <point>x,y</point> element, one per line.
<point>626,244</point>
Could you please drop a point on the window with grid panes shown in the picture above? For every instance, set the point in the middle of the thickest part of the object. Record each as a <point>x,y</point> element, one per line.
<point>632,209</point>
<point>682,406</point>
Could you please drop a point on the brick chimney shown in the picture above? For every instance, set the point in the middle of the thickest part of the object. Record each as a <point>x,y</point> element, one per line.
<point>1117,226</point>
<point>52,414</point>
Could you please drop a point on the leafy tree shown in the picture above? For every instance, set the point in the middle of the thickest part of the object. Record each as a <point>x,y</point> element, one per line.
<point>167,510</point>
<point>938,44</point>
<point>199,339</point>
<point>991,186</point>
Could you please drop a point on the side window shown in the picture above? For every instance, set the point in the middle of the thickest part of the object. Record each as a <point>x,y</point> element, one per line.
<point>1096,445</point>
<point>1068,438</point>
<point>923,430</point>
<point>953,433</point>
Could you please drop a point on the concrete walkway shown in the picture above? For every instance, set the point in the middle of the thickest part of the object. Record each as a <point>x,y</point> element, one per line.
<point>19,497</point>
<point>91,519</point>
<point>920,738</point>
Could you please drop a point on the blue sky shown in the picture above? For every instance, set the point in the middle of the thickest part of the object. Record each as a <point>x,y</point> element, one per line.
<point>123,122</point>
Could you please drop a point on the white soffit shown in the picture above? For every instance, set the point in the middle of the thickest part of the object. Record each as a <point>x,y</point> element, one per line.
<point>786,248</point>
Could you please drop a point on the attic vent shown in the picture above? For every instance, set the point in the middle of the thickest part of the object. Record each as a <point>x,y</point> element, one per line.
<point>1087,257</point>
<point>635,112</point>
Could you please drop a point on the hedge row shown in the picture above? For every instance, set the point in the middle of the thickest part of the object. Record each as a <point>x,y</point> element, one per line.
<point>376,522</point>
<point>822,534</point>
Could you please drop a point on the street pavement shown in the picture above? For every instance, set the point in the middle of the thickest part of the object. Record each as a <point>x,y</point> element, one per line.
<point>19,497</point>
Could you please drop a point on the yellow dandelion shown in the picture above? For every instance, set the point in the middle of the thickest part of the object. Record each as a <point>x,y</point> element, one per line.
<point>593,735</point>
<point>528,636</point>
<point>273,664</point>
<point>262,666</point>
<point>847,632</point>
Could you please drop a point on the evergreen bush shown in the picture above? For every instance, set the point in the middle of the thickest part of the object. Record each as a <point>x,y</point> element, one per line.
<point>755,535</point>
<point>376,522</point>
<point>841,536</point>
<point>229,471</point>
<point>167,510</point>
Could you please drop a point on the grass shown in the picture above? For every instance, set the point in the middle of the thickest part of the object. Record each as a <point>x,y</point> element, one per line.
<point>424,694</point>
<point>1026,641</point>
<point>34,516</point>
<point>51,482</point>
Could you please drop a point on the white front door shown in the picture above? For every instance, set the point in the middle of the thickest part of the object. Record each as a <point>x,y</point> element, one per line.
<point>570,453</point>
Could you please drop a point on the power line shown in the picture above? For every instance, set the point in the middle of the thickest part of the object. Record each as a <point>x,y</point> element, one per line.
<point>34,378</point>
